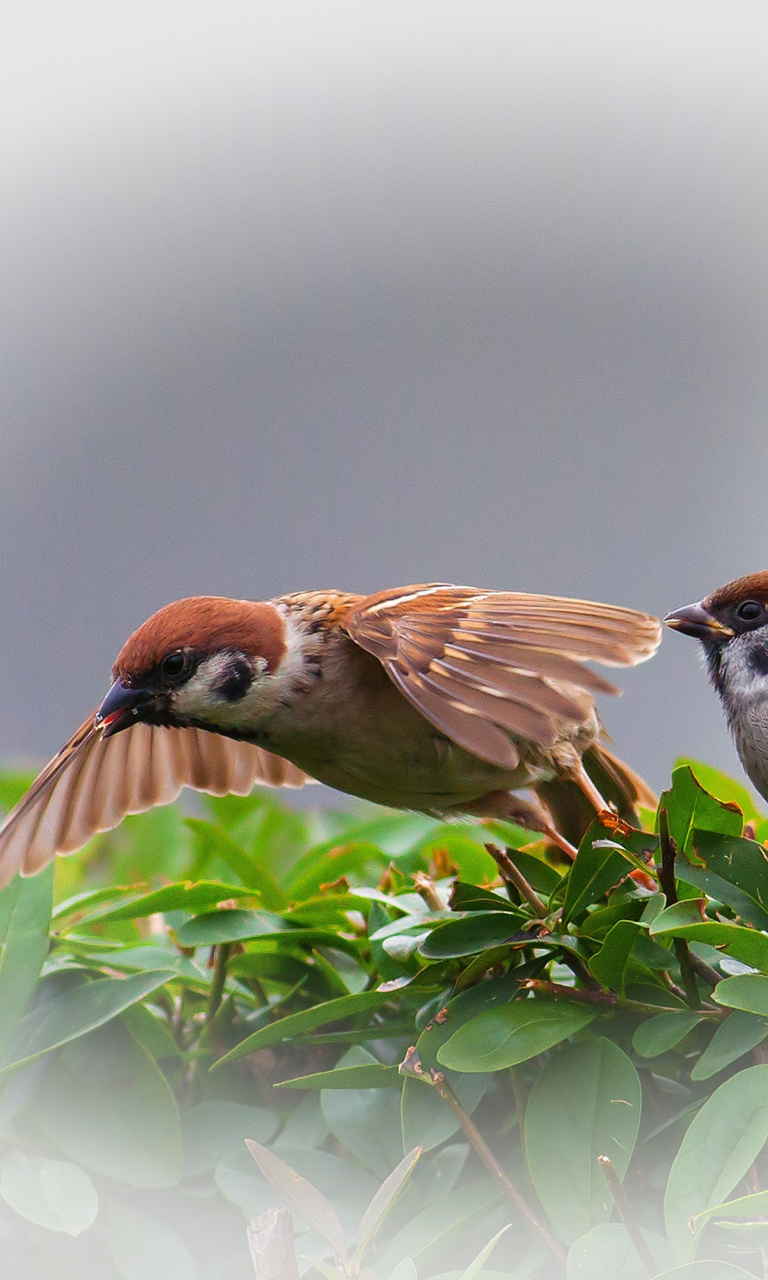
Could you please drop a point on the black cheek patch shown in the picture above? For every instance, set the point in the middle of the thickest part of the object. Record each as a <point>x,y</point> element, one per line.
<point>758,659</point>
<point>235,680</point>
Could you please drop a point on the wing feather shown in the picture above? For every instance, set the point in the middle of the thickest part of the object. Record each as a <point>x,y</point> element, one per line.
<point>487,668</point>
<point>94,782</point>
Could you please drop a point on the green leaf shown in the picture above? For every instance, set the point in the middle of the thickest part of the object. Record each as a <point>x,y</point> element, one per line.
<point>425,1120</point>
<point>721,1143</point>
<point>52,1193</point>
<point>689,805</point>
<point>25,913</point>
<point>478,1262</point>
<point>322,1015</point>
<point>706,1271</point>
<point>730,869</point>
<point>609,964</point>
<point>513,1033</point>
<point>327,862</point>
<point>597,868</point>
<point>752,1206</point>
<point>235,925</point>
<point>302,1198</point>
<point>739,1034</point>
<point>585,1103</point>
<point>478,931</point>
<point>184,896</point>
<point>383,1201</point>
<point>445,1223</point>
<point>718,784</point>
<point>110,1108</point>
<point>607,1252</point>
<point>214,1129</point>
<point>684,920</point>
<point>145,1249</point>
<point>660,1034</point>
<point>373,1076</point>
<point>76,1012</point>
<point>365,1121</point>
<point>404,1270</point>
<point>747,991</point>
<point>470,897</point>
<point>214,842</point>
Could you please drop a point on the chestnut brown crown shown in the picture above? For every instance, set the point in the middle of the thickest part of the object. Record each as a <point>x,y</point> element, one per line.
<point>202,625</point>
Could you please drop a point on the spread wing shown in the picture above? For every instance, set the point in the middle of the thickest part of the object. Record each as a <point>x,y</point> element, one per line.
<point>487,667</point>
<point>94,782</point>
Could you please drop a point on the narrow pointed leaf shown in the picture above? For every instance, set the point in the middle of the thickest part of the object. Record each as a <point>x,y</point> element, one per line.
<point>296,1024</point>
<point>383,1200</point>
<point>302,1198</point>
<point>75,1012</point>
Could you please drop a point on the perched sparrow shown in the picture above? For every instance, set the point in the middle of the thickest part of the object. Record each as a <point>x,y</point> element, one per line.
<point>435,698</point>
<point>732,625</point>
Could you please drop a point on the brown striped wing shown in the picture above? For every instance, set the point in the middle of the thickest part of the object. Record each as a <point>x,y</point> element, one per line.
<point>487,668</point>
<point>94,782</point>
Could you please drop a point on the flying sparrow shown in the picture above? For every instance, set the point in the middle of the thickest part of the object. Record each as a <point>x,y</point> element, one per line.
<point>732,625</point>
<point>436,698</point>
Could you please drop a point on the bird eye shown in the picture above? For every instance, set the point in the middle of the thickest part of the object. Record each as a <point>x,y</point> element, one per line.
<point>750,610</point>
<point>174,666</point>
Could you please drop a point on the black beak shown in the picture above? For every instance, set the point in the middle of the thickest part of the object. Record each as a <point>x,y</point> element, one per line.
<point>120,708</point>
<point>696,620</point>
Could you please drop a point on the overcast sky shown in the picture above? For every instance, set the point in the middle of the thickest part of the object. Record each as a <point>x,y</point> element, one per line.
<point>319,294</point>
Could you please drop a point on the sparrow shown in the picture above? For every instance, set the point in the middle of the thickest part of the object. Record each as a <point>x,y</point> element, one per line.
<point>435,698</point>
<point>732,625</point>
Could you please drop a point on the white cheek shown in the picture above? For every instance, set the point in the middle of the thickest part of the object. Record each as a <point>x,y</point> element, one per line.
<point>199,699</point>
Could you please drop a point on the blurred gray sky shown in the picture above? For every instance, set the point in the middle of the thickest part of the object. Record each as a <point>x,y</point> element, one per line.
<point>361,294</point>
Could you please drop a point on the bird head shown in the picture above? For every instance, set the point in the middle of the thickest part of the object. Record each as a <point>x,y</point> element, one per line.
<point>732,625</point>
<point>201,661</point>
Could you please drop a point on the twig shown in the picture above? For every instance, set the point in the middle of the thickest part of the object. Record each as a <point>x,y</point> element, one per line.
<point>217,982</point>
<point>604,1000</point>
<point>477,1140</point>
<point>627,1215</point>
<point>511,873</point>
<point>426,888</point>
<point>667,882</point>
<point>580,971</point>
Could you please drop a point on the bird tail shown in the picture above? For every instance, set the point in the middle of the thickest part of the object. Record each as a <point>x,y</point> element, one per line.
<point>618,784</point>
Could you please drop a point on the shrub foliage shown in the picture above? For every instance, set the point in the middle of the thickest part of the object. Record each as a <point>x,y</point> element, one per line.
<point>448,1053</point>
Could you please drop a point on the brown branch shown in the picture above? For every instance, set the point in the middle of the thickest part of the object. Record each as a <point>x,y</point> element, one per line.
<point>426,888</point>
<point>514,876</point>
<point>479,1144</point>
<point>605,1001</point>
<point>627,1215</point>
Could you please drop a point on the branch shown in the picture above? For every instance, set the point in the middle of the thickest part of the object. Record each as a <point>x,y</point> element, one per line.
<point>667,882</point>
<point>511,873</point>
<point>627,1215</point>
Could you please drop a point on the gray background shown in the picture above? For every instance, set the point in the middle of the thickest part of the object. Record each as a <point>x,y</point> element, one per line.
<point>318,294</point>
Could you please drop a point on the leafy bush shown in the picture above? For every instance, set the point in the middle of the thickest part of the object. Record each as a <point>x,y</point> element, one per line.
<point>445,1061</point>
